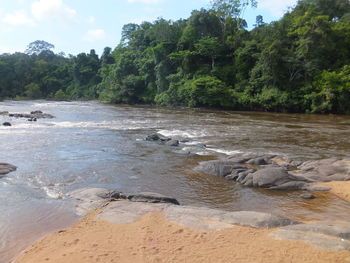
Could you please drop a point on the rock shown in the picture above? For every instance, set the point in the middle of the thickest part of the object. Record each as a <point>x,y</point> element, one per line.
<point>185,140</point>
<point>243,175</point>
<point>199,218</point>
<point>31,116</point>
<point>6,168</point>
<point>7,124</point>
<point>257,161</point>
<point>290,186</point>
<point>88,199</point>
<point>326,170</point>
<point>4,112</point>
<point>278,172</point>
<point>152,198</point>
<point>315,188</point>
<point>157,137</point>
<point>153,137</point>
<point>173,143</point>
<point>220,168</point>
<point>36,112</point>
<point>307,196</point>
<point>323,235</point>
<point>270,177</point>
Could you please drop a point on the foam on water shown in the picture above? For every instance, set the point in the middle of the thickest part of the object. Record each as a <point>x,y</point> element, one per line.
<point>183,134</point>
<point>226,152</point>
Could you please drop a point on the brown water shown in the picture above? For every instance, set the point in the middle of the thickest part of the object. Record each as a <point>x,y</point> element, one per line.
<point>94,145</point>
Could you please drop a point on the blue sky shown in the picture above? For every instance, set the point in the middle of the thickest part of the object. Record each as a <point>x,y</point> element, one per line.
<point>75,26</point>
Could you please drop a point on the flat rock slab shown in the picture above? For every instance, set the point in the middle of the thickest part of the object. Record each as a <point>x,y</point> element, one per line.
<point>199,218</point>
<point>325,236</point>
<point>88,199</point>
<point>6,168</point>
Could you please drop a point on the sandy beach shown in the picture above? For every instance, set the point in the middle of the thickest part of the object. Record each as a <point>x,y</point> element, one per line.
<point>152,238</point>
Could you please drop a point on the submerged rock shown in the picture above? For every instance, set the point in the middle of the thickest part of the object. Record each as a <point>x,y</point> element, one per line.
<point>6,168</point>
<point>307,196</point>
<point>157,137</point>
<point>33,115</point>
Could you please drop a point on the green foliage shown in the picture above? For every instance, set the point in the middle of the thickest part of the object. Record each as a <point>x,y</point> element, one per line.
<point>205,91</point>
<point>32,91</point>
<point>297,64</point>
<point>332,92</point>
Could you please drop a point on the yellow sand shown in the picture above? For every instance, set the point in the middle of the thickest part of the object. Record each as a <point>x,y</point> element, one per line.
<point>154,239</point>
<point>341,189</point>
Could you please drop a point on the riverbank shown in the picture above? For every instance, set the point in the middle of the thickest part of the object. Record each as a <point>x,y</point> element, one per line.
<point>153,238</point>
<point>153,228</point>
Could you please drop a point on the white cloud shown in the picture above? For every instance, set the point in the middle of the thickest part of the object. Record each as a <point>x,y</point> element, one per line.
<point>145,1</point>
<point>94,35</point>
<point>18,18</point>
<point>276,7</point>
<point>91,19</point>
<point>52,10</point>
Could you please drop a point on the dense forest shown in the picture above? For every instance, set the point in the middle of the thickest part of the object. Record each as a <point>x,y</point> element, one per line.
<point>300,63</point>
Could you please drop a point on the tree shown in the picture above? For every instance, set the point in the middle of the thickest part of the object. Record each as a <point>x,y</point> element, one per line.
<point>227,10</point>
<point>38,46</point>
<point>259,21</point>
<point>210,47</point>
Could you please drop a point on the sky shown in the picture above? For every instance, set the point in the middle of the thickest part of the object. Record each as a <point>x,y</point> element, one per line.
<point>76,26</point>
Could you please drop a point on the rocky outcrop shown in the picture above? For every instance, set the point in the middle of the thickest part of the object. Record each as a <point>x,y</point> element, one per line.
<point>277,172</point>
<point>6,168</point>
<point>33,115</point>
<point>130,208</point>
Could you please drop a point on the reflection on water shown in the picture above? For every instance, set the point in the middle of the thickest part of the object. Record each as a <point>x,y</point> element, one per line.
<point>90,144</point>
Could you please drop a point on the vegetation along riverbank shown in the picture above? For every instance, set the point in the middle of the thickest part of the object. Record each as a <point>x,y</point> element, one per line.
<point>300,63</point>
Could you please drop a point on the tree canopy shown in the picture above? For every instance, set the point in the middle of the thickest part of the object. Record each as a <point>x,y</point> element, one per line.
<point>297,64</point>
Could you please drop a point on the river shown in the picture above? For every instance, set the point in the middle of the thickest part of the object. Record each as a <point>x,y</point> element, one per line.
<point>89,144</point>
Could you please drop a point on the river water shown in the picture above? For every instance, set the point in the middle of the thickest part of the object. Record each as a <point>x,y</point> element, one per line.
<point>90,144</point>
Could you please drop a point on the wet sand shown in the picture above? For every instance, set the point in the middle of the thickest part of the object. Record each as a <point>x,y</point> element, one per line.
<point>341,189</point>
<point>154,239</point>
